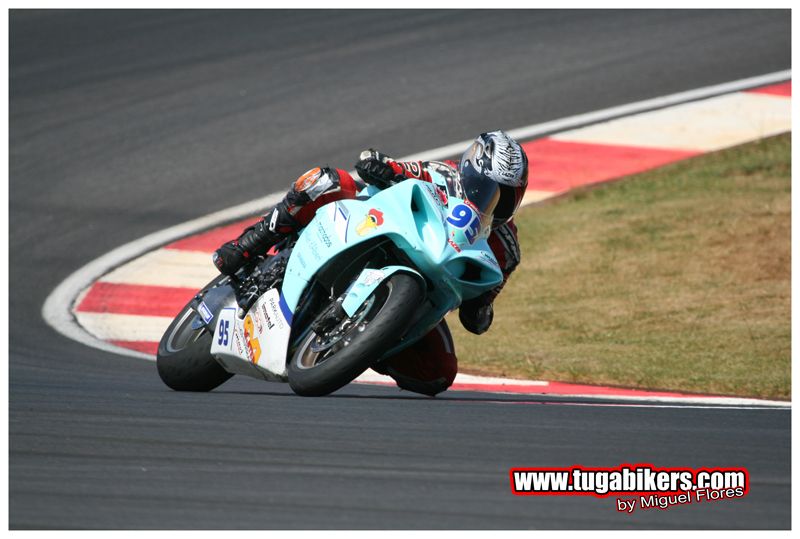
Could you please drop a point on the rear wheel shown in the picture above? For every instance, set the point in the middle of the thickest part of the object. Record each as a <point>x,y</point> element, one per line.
<point>184,357</point>
<point>321,364</point>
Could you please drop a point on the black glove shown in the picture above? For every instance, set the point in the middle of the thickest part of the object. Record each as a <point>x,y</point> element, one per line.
<point>229,258</point>
<point>374,171</point>
<point>476,315</point>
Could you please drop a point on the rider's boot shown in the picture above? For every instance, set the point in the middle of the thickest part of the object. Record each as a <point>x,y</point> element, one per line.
<point>255,240</point>
<point>428,366</point>
<point>476,315</point>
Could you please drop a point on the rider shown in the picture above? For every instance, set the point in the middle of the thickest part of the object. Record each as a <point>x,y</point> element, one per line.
<point>429,366</point>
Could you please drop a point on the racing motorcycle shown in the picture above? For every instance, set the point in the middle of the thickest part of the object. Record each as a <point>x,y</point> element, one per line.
<point>365,279</point>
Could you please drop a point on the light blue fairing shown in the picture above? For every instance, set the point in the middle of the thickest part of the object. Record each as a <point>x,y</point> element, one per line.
<point>446,244</point>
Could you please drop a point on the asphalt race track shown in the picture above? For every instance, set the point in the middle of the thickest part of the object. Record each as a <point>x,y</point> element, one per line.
<point>124,123</point>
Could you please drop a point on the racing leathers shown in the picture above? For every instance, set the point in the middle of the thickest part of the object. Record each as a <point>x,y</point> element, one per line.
<point>430,365</point>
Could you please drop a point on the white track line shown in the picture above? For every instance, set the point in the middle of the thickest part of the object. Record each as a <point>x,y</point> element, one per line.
<point>783,406</point>
<point>704,126</point>
<point>666,402</point>
<point>698,401</point>
<point>57,308</point>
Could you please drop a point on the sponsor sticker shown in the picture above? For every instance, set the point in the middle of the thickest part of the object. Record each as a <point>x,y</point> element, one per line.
<point>437,194</point>
<point>372,220</point>
<point>205,312</point>
<point>454,245</point>
<point>489,258</point>
<point>237,341</point>
<point>274,317</point>
<point>442,196</point>
<point>323,235</point>
<point>258,321</point>
<point>253,345</point>
<point>313,247</point>
<point>270,324</point>
<point>373,276</point>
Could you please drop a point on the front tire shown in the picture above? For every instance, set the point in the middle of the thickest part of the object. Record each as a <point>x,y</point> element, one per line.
<point>378,325</point>
<point>184,357</point>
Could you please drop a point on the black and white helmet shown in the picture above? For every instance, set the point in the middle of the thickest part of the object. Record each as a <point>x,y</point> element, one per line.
<point>497,157</point>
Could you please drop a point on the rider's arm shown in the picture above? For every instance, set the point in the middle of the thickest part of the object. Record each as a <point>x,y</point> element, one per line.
<point>505,246</point>
<point>476,314</point>
<point>379,169</point>
<point>410,169</point>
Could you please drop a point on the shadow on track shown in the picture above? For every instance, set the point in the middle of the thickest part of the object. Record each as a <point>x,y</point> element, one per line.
<point>509,399</point>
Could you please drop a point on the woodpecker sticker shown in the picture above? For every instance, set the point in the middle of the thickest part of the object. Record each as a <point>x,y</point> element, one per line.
<point>373,220</point>
<point>253,345</point>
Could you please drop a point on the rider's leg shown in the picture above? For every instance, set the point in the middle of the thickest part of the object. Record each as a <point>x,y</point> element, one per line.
<point>310,192</point>
<point>429,366</point>
<point>314,189</point>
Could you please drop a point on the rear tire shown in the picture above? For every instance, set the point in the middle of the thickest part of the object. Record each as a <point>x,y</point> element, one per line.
<point>379,324</point>
<point>184,357</point>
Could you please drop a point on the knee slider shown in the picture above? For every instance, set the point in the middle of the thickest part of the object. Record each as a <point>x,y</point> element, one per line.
<point>315,183</point>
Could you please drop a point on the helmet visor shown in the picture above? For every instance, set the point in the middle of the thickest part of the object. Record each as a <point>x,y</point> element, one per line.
<point>482,192</point>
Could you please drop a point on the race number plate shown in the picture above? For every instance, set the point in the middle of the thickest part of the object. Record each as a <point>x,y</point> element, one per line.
<point>257,344</point>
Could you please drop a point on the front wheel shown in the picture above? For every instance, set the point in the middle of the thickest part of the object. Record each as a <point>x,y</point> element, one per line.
<point>321,364</point>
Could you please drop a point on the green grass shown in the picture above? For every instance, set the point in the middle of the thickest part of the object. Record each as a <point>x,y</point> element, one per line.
<point>678,279</point>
